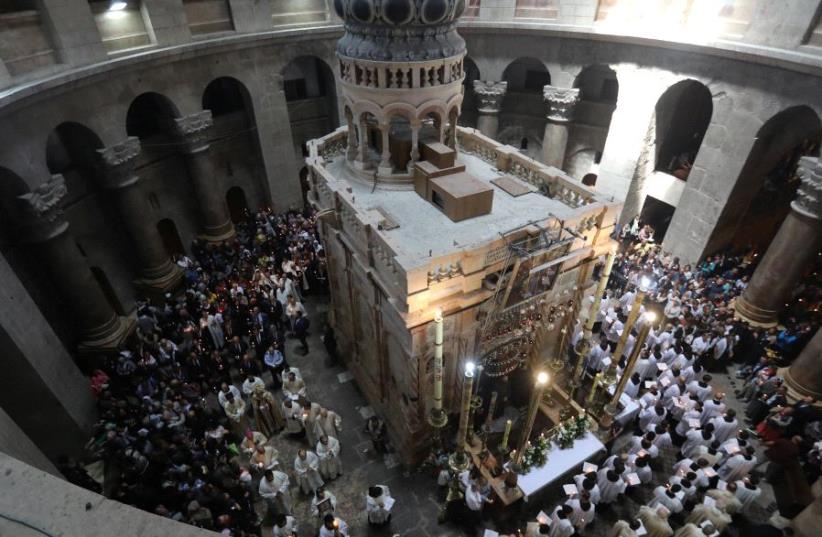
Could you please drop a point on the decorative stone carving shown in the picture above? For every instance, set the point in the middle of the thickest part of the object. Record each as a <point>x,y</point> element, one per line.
<point>193,129</point>
<point>44,202</point>
<point>404,30</point>
<point>490,95</point>
<point>117,163</point>
<point>809,194</point>
<point>562,103</point>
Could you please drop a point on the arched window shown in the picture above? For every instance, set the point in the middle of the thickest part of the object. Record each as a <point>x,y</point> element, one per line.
<point>682,117</point>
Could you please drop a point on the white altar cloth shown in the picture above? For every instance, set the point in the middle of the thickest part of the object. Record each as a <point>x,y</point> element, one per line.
<point>560,461</point>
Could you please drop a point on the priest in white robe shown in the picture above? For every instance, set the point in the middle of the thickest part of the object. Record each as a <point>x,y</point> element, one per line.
<point>293,415</point>
<point>561,525</point>
<point>323,502</point>
<point>274,489</point>
<point>311,413</point>
<point>333,527</point>
<point>330,423</point>
<point>378,505</point>
<point>725,426</point>
<point>655,521</point>
<point>306,467</point>
<point>293,386</point>
<point>328,451</point>
<point>284,526</point>
<point>583,511</point>
<point>666,496</point>
<point>610,484</point>
<point>738,466</point>
<point>747,492</point>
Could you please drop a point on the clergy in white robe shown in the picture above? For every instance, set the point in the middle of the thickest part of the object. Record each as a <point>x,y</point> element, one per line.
<point>250,383</point>
<point>225,389</point>
<point>293,387</point>
<point>311,413</point>
<point>561,525</point>
<point>274,489</point>
<point>700,388</point>
<point>726,499</point>
<point>651,416</point>
<point>642,468</point>
<point>663,441</point>
<point>695,438</point>
<point>610,484</point>
<point>328,451</point>
<point>649,398</point>
<point>632,386</point>
<point>264,458</point>
<point>725,426</point>
<point>378,504</point>
<point>588,482</point>
<point>328,501</point>
<point>306,467</point>
<point>252,440</point>
<point>293,415</point>
<point>687,486</point>
<point>333,527</point>
<point>747,492</point>
<point>702,512</point>
<point>737,467</point>
<point>330,423</point>
<point>235,410</point>
<point>623,528</point>
<point>655,521</point>
<point>284,526</point>
<point>666,496</point>
<point>684,424</point>
<point>711,408</point>
<point>583,511</point>
<point>692,530</point>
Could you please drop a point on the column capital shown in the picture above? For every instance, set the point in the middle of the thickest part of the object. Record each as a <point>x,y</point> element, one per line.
<point>42,207</point>
<point>809,194</point>
<point>490,95</point>
<point>562,103</point>
<point>117,163</point>
<point>193,130</point>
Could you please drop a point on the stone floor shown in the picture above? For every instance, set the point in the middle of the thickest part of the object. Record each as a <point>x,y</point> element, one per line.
<point>417,507</point>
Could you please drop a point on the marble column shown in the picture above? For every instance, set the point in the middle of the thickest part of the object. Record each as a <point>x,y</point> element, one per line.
<point>193,131</point>
<point>386,167</point>
<point>804,376</point>
<point>415,142</point>
<point>100,328</point>
<point>490,95</point>
<point>562,103</point>
<point>797,242</point>
<point>117,175</point>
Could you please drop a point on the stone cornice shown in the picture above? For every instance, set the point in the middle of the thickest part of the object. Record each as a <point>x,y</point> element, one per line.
<point>117,163</point>
<point>193,129</point>
<point>42,214</point>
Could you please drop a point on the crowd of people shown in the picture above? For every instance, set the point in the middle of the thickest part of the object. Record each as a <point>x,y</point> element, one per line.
<point>189,429</point>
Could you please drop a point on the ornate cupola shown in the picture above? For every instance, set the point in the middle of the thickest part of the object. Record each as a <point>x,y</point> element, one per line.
<point>401,70</point>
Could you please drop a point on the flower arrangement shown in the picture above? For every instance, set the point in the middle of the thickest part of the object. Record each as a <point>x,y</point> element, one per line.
<point>569,430</point>
<point>536,454</point>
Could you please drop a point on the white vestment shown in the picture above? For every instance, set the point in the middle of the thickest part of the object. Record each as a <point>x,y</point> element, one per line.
<point>329,455</point>
<point>308,475</point>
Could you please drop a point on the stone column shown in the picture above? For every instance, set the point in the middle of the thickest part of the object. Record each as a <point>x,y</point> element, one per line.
<point>562,103</point>
<point>117,175</point>
<point>386,167</point>
<point>490,95</point>
<point>804,376</point>
<point>797,242</point>
<point>99,326</point>
<point>415,142</point>
<point>193,131</point>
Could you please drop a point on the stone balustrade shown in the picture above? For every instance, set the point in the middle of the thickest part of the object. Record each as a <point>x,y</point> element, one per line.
<point>404,76</point>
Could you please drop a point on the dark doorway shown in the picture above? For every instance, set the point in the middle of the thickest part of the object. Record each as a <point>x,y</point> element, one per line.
<point>108,290</point>
<point>658,214</point>
<point>305,186</point>
<point>237,205</point>
<point>171,238</point>
<point>590,179</point>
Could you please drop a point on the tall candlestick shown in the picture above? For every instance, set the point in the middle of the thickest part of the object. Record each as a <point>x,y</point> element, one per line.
<point>492,406</point>
<point>536,397</point>
<point>629,367</point>
<point>467,385</point>
<point>438,360</point>
<point>504,443</point>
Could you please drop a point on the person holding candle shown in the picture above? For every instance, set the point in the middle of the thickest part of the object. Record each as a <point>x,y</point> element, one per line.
<point>306,466</point>
<point>328,451</point>
<point>333,527</point>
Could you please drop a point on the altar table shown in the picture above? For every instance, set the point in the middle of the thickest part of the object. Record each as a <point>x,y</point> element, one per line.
<point>560,462</point>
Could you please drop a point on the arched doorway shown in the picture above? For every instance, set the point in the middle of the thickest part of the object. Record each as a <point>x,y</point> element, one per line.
<point>523,107</point>
<point>311,97</point>
<point>305,186</point>
<point>468,118</point>
<point>598,91</point>
<point>761,197</point>
<point>236,145</point>
<point>171,238</point>
<point>682,113</point>
<point>237,204</point>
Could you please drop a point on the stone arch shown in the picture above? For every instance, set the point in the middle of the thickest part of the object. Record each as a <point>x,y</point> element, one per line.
<point>71,150</point>
<point>683,114</point>
<point>237,204</point>
<point>226,95</point>
<point>308,83</point>
<point>470,101</point>
<point>599,89</point>
<point>766,186</point>
<point>149,115</point>
<point>526,75</point>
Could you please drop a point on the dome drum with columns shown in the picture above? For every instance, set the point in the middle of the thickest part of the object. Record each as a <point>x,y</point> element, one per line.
<point>401,69</point>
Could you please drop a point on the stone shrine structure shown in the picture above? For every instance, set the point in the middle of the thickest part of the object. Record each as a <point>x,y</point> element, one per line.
<point>394,259</point>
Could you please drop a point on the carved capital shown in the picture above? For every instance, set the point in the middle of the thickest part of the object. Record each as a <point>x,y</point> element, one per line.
<point>490,95</point>
<point>193,129</point>
<point>117,163</point>
<point>562,103</point>
<point>42,207</point>
<point>809,194</point>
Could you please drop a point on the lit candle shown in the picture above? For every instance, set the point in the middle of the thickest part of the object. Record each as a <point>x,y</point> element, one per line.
<point>438,338</point>
<point>505,435</point>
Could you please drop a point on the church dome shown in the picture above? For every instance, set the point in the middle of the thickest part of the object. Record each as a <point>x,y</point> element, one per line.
<point>400,30</point>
